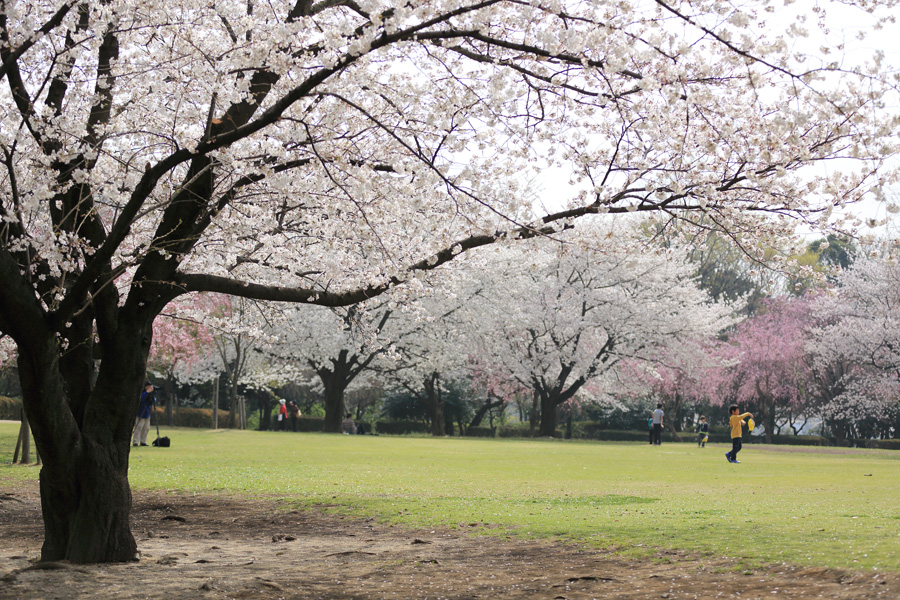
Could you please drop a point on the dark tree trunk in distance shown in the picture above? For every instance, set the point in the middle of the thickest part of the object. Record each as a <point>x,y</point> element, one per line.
<point>435,400</point>
<point>483,410</point>
<point>767,410</point>
<point>336,376</point>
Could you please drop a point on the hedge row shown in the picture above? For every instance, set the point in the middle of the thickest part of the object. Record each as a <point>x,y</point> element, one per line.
<point>10,409</point>
<point>520,430</point>
<point>201,418</point>
<point>401,427</point>
<point>593,431</point>
<point>797,440</point>
<point>479,432</point>
<point>882,444</point>
<point>316,424</point>
<point>307,424</point>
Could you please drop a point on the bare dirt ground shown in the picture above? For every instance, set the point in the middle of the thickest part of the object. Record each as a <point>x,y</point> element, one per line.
<point>199,547</point>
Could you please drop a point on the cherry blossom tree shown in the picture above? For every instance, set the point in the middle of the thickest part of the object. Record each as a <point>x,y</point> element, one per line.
<point>681,375</point>
<point>430,353</point>
<point>326,151</point>
<point>181,341</point>
<point>496,390</point>
<point>773,368</point>
<point>240,335</point>
<point>571,312</point>
<point>858,342</point>
<point>337,344</point>
<point>403,337</point>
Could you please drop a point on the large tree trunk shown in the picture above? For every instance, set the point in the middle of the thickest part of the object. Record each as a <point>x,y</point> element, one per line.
<point>334,403</point>
<point>548,414</point>
<point>335,379</point>
<point>87,507</point>
<point>84,437</point>
<point>552,394</point>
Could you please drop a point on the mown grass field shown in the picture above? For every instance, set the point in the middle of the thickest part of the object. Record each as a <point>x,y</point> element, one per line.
<point>822,507</point>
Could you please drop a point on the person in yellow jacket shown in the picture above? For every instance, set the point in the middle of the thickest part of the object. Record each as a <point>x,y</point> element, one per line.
<point>736,422</point>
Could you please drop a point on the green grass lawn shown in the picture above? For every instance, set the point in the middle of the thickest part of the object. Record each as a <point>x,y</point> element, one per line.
<point>782,504</point>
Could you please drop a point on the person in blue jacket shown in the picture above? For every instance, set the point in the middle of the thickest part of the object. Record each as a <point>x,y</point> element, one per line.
<point>142,424</point>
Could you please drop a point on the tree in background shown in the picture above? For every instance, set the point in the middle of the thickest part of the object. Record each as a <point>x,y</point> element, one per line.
<point>680,376</point>
<point>773,369</point>
<point>860,335</point>
<point>181,341</point>
<point>573,310</point>
<point>727,274</point>
<point>820,264</point>
<point>494,390</point>
<point>430,353</point>
<point>337,345</point>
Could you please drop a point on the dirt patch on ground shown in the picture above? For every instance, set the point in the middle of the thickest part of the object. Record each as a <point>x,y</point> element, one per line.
<point>197,547</point>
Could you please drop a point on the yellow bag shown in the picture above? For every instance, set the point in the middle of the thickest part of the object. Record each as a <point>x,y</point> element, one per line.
<point>750,424</point>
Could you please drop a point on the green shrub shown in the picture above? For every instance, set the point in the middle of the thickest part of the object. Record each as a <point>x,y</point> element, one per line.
<point>587,430</point>
<point>799,440</point>
<point>480,432</point>
<point>893,444</point>
<point>616,435</point>
<point>307,424</point>
<point>401,427</point>
<point>514,430</point>
<point>10,409</point>
<point>200,418</point>
<point>521,430</point>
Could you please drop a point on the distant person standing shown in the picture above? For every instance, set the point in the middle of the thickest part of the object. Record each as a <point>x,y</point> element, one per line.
<point>294,411</point>
<point>650,428</point>
<point>702,432</point>
<point>657,419</point>
<point>142,424</point>
<point>282,415</point>
<point>736,422</point>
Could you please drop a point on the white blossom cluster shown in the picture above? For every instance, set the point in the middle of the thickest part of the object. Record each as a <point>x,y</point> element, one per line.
<point>344,142</point>
<point>861,327</point>
<point>566,312</point>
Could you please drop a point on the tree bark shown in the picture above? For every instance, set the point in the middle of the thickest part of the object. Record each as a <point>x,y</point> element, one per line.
<point>552,394</point>
<point>87,508</point>
<point>533,418</point>
<point>479,414</point>
<point>336,377</point>
<point>24,442</point>
<point>85,495</point>
<point>335,381</point>
<point>435,400</point>
<point>548,414</point>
